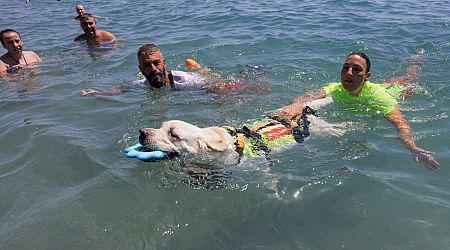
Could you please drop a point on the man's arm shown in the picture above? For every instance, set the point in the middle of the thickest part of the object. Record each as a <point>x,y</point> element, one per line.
<point>101,17</point>
<point>3,68</point>
<point>295,109</point>
<point>31,56</point>
<point>108,92</point>
<point>405,135</point>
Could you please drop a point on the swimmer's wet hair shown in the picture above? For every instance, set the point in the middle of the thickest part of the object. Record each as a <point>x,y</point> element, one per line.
<point>148,49</point>
<point>363,55</point>
<point>7,31</point>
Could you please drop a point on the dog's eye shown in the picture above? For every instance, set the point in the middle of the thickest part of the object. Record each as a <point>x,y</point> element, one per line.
<point>171,133</point>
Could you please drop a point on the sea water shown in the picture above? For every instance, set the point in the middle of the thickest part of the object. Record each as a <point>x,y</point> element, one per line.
<point>65,183</point>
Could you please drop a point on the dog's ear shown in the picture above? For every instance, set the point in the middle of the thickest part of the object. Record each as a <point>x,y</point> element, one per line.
<point>202,146</point>
<point>216,139</point>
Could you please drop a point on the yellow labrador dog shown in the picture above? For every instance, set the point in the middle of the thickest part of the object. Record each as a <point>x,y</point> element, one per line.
<point>179,137</point>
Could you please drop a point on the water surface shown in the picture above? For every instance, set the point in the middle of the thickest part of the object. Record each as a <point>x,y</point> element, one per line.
<point>65,183</point>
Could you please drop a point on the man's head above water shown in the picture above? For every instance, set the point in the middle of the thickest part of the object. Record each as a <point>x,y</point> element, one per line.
<point>153,65</point>
<point>355,72</point>
<point>80,9</point>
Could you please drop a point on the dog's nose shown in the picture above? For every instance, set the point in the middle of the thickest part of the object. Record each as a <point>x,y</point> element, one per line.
<point>143,131</point>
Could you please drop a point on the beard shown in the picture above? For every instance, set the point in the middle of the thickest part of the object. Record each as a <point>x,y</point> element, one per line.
<point>156,79</point>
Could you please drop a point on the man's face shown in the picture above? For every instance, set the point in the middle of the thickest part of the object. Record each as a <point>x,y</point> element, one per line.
<point>80,10</point>
<point>12,42</point>
<point>153,67</point>
<point>354,74</point>
<point>88,25</point>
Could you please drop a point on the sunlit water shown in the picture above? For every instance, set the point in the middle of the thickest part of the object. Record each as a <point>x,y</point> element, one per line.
<point>65,183</point>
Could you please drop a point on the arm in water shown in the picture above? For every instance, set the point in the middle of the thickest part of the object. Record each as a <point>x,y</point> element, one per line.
<point>108,92</point>
<point>405,135</point>
<point>295,109</point>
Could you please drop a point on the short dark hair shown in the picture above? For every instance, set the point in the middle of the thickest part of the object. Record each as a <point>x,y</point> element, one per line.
<point>363,55</point>
<point>7,31</point>
<point>148,49</point>
<point>87,16</point>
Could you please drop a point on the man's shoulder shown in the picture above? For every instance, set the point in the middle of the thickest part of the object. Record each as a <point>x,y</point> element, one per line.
<point>185,73</point>
<point>378,92</point>
<point>332,87</point>
<point>372,84</point>
<point>179,72</point>
<point>183,78</point>
<point>106,35</point>
<point>375,87</point>
<point>31,55</point>
<point>103,32</point>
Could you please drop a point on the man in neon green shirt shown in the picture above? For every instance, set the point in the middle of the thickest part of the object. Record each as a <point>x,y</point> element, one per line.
<point>355,89</point>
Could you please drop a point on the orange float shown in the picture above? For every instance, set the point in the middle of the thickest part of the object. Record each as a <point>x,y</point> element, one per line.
<point>191,64</point>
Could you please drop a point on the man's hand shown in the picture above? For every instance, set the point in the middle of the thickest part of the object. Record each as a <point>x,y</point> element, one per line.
<point>290,112</point>
<point>405,135</point>
<point>88,92</point>
<point>425,158</point>
<point>295,109</point>
<point>14,69</point>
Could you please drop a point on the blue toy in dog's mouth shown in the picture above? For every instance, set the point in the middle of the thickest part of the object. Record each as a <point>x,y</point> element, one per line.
<point>144,153</point>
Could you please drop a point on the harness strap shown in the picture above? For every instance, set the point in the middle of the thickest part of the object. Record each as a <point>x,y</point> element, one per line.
<point>258,143</point>
<point>172,83</point>
<point>240,144</point>
<point>299,132</point>
<point>231,130</point>
<point>241,134</point>
<point>240,140</point>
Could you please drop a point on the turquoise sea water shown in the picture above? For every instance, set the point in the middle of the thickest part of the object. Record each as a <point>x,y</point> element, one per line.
<point>65,184</point>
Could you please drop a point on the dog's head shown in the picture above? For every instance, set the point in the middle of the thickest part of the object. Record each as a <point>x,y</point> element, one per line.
<point>181,137</point>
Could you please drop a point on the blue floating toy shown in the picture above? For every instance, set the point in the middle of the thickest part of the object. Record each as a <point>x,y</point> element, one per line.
<point>144,153</point>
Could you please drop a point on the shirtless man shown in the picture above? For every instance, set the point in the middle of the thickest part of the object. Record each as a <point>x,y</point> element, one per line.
<point>16,58</point>
<point>92,36</point>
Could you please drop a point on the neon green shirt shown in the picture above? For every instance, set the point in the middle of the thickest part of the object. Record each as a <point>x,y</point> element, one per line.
<point>374,98</point>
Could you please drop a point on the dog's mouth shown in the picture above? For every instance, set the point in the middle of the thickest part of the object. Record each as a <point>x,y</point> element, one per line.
<point>149,148</point>
<point>153,149</point>
<point>148,153</point>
